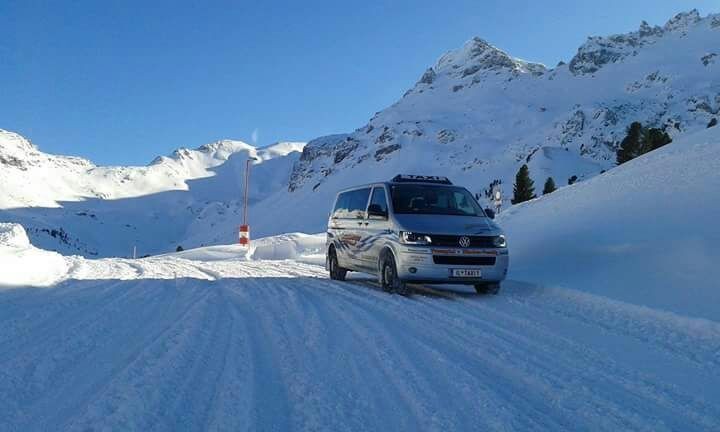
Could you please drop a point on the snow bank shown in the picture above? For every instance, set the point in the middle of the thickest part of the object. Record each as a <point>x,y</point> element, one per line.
<point>13,236</point>
<point>308,248</point>
<point>22,264</point>
<point>212,253</point>
<point>645,232</point>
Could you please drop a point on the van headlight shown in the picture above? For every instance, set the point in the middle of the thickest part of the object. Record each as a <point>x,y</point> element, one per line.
<point>500,241</point>
<point>412,238</point>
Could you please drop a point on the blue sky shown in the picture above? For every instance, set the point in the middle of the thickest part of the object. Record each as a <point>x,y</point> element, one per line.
<point>120,82</point>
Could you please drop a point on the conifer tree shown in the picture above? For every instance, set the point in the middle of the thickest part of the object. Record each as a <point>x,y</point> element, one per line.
<point>630,145</point>
<point>549,186</point>
<point>653,139</point>
<point>640,140</point>
<point>524,188</point>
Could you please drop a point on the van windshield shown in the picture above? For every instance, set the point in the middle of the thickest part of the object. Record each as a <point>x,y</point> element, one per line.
<point>431,199</point>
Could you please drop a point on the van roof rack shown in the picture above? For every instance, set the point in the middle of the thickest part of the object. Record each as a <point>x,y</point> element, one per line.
<point>410,178</point>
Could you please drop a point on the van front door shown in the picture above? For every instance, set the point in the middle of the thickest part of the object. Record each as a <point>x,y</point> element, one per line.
<point>355,224</point>
<point>376,228</point>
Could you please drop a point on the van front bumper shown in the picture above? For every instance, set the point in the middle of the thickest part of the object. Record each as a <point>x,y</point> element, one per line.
<point>416,264</point>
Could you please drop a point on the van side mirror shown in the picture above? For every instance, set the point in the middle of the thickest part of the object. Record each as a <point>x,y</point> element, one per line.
<point>377,211</point>
<point>490,213</point>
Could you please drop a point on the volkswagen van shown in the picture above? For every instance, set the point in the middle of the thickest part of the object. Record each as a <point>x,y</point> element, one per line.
<point>416,230</point>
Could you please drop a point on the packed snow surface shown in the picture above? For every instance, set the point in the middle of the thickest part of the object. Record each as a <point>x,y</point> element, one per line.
<point>170,343</point>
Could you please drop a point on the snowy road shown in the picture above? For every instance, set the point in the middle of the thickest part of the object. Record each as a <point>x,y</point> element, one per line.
<point>276,346</point>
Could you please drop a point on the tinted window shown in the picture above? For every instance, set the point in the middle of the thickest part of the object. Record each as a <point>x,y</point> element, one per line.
<point>342,205</point>
<point>427,199</point>
<point>359,202</point>
<point>378,198</point>
<point>352,204</point>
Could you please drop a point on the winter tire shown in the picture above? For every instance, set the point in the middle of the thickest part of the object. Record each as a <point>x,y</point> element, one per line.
<point>336,272</point>
<point>390,280</point>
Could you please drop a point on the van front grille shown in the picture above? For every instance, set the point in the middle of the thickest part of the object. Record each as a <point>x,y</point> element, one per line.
<point>454,241</point>
<point>464,260</point>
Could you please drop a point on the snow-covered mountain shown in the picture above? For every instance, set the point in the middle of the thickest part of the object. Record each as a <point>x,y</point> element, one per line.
<point>32,178</point>
<point>474,116</point>
<point>70,205</point>
<point>478,113</point>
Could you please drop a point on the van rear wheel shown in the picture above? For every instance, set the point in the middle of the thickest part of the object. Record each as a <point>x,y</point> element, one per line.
<point>488,288</point>
<point>336,272</point>
<point>390,280</point>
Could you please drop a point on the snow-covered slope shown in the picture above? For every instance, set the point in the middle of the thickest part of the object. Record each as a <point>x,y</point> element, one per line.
<point>22,264</point>
<point>31,178</point>
<point>645,232</point>
<point>70,205</point>
<point>478,114</point>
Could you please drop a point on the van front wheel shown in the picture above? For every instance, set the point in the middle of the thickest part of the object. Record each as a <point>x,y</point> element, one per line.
<point>336,272</point>
<point>390,280</point>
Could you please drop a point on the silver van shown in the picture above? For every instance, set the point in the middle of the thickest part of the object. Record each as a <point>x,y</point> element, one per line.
<point>415,229</point>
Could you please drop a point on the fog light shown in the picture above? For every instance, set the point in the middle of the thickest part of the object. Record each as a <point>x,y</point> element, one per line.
<point>412,270</point>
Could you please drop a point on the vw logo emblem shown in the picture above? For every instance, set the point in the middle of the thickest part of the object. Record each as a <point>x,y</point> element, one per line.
<point>464,241</point>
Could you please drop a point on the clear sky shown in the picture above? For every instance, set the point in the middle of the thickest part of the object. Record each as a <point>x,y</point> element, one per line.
<point>120,82</point>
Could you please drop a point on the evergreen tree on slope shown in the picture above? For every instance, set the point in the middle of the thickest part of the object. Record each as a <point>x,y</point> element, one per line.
<point>549,186</point>
<point>524,188</point>
<point>630,146</point>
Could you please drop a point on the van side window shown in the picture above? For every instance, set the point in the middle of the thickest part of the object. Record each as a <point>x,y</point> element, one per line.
<point>342,206</point>
<point>358,203</point>
<point>378,198</point>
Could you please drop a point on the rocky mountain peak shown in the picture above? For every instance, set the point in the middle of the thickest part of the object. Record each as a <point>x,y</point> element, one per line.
<point>473,58</point>
<point>477,54</point>
<point>15,150</point>
<point>597,51</point>
<point>223,147</point>
<point>683,20</point>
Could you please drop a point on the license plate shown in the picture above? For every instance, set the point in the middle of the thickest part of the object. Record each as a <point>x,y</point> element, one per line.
<point>465,273</point>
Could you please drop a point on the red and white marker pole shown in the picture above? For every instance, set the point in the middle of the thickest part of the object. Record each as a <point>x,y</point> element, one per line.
<point>244,237</point>
<point>244,233</point>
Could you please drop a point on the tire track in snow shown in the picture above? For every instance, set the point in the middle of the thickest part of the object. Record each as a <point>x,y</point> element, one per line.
<point>372,369</point>
<point>271,404</point>
<point>233,395</point>
<point>138,391</point>
<point>695,340</point>
<point>281,347</point>
<point>398,334</point>
<point>540,365</point>
<point>495,398</point>
<point>316,395</point>
<point>45,364</point>
<point>126,338</point>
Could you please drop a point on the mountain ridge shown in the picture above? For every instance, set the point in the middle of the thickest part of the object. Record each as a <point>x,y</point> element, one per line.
<point>475,116</point>
<point>471,67</point>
